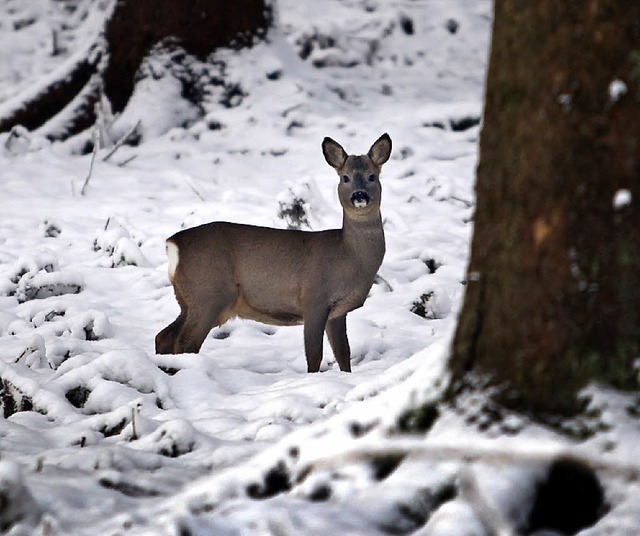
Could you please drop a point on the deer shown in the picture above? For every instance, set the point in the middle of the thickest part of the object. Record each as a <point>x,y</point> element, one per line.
<point>283,277</point>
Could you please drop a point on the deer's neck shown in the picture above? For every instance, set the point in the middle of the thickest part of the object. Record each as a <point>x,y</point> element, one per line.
<point>365,238</point>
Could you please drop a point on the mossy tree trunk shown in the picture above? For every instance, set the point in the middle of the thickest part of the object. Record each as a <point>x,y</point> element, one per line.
<point>553,295</point>
<point>135,26</point>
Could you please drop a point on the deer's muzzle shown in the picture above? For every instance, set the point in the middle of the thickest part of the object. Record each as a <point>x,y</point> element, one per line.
<point>360,199</point>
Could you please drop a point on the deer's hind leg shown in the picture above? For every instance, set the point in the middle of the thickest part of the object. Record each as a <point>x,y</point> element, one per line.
<point>165,340</point>
<point>205,308</point>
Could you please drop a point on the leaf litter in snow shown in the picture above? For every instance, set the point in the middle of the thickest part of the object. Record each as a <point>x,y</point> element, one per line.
<point>102,436</point>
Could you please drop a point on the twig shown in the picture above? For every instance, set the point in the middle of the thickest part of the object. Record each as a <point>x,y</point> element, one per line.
<point>466,203</point>
<point>121,141</point>
<point>55,48</point>
<point>133,424</point>
<point>382,281</point>
<point>96,146</point>
<point>192,185</point>
<point>125,162</point>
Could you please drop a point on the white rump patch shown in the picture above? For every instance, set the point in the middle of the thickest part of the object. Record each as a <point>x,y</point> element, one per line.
<point>172,254</point>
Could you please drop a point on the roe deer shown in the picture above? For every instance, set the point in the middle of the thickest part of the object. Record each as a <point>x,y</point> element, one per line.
<point>283,277</point>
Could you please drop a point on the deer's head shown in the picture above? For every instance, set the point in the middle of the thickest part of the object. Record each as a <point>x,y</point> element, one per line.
<point>359,189</point>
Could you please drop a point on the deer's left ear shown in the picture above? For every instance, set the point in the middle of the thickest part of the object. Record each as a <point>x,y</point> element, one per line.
<point>381,150</point>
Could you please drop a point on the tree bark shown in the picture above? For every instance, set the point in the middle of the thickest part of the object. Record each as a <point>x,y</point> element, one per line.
<point>553,295</point>
<point>135,26</point>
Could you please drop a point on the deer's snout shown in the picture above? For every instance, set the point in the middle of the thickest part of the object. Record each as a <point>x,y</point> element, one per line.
<point>360,199</point>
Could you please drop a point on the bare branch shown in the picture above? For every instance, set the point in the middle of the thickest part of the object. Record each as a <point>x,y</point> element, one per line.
<point>96,146</point>
<point>192,185</point>
<point>134,434</point>
<point>496,456</point>
<point>121,141</point>
<point>125,162</point>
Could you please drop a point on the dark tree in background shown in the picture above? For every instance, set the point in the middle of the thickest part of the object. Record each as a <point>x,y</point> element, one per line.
<point>553,295</point>
<point>135,26</point>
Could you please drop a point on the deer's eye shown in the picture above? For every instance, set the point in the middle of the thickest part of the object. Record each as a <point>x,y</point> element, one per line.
<point>346,178</point>
<point>372,178</point>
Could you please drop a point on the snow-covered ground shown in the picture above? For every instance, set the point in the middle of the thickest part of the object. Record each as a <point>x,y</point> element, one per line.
<point>102,436</point>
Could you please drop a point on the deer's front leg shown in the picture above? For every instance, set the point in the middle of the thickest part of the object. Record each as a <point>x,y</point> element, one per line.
<point>314,324</point>
<point>337,333</point>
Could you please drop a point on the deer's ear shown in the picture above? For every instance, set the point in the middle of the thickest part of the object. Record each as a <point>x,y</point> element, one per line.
<point>333,153</point>
<point>381,150</point>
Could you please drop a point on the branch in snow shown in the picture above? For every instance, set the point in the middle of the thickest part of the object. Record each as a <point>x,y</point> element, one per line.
<point>629,471</point>
<point>125,162</point>
<point>96,146</point>
<point>134,434</point>
<point>192,185</point>
<point>121,141</point>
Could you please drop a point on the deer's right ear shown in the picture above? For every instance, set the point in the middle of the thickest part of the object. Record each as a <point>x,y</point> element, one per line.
<point>333,153</point>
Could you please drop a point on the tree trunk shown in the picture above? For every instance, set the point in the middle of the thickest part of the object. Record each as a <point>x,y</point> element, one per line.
<point>198,26</point>
<point>553,295</point>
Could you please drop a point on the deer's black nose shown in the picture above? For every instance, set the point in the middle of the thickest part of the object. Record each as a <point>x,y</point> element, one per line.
<point>360,199</point>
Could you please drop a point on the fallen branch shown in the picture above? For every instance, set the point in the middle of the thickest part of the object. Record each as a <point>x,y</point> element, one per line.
<point>134,434</point>
<point>121,141</point>
<point>125,162</point>
<point>96,146</point>
<point>192,185</point>
<point>383,282</point>
<point>627,470</point>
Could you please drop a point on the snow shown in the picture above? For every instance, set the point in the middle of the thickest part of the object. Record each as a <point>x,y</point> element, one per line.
<point>106,437</point>
<point>622,198</point>
<point>617,90</point>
